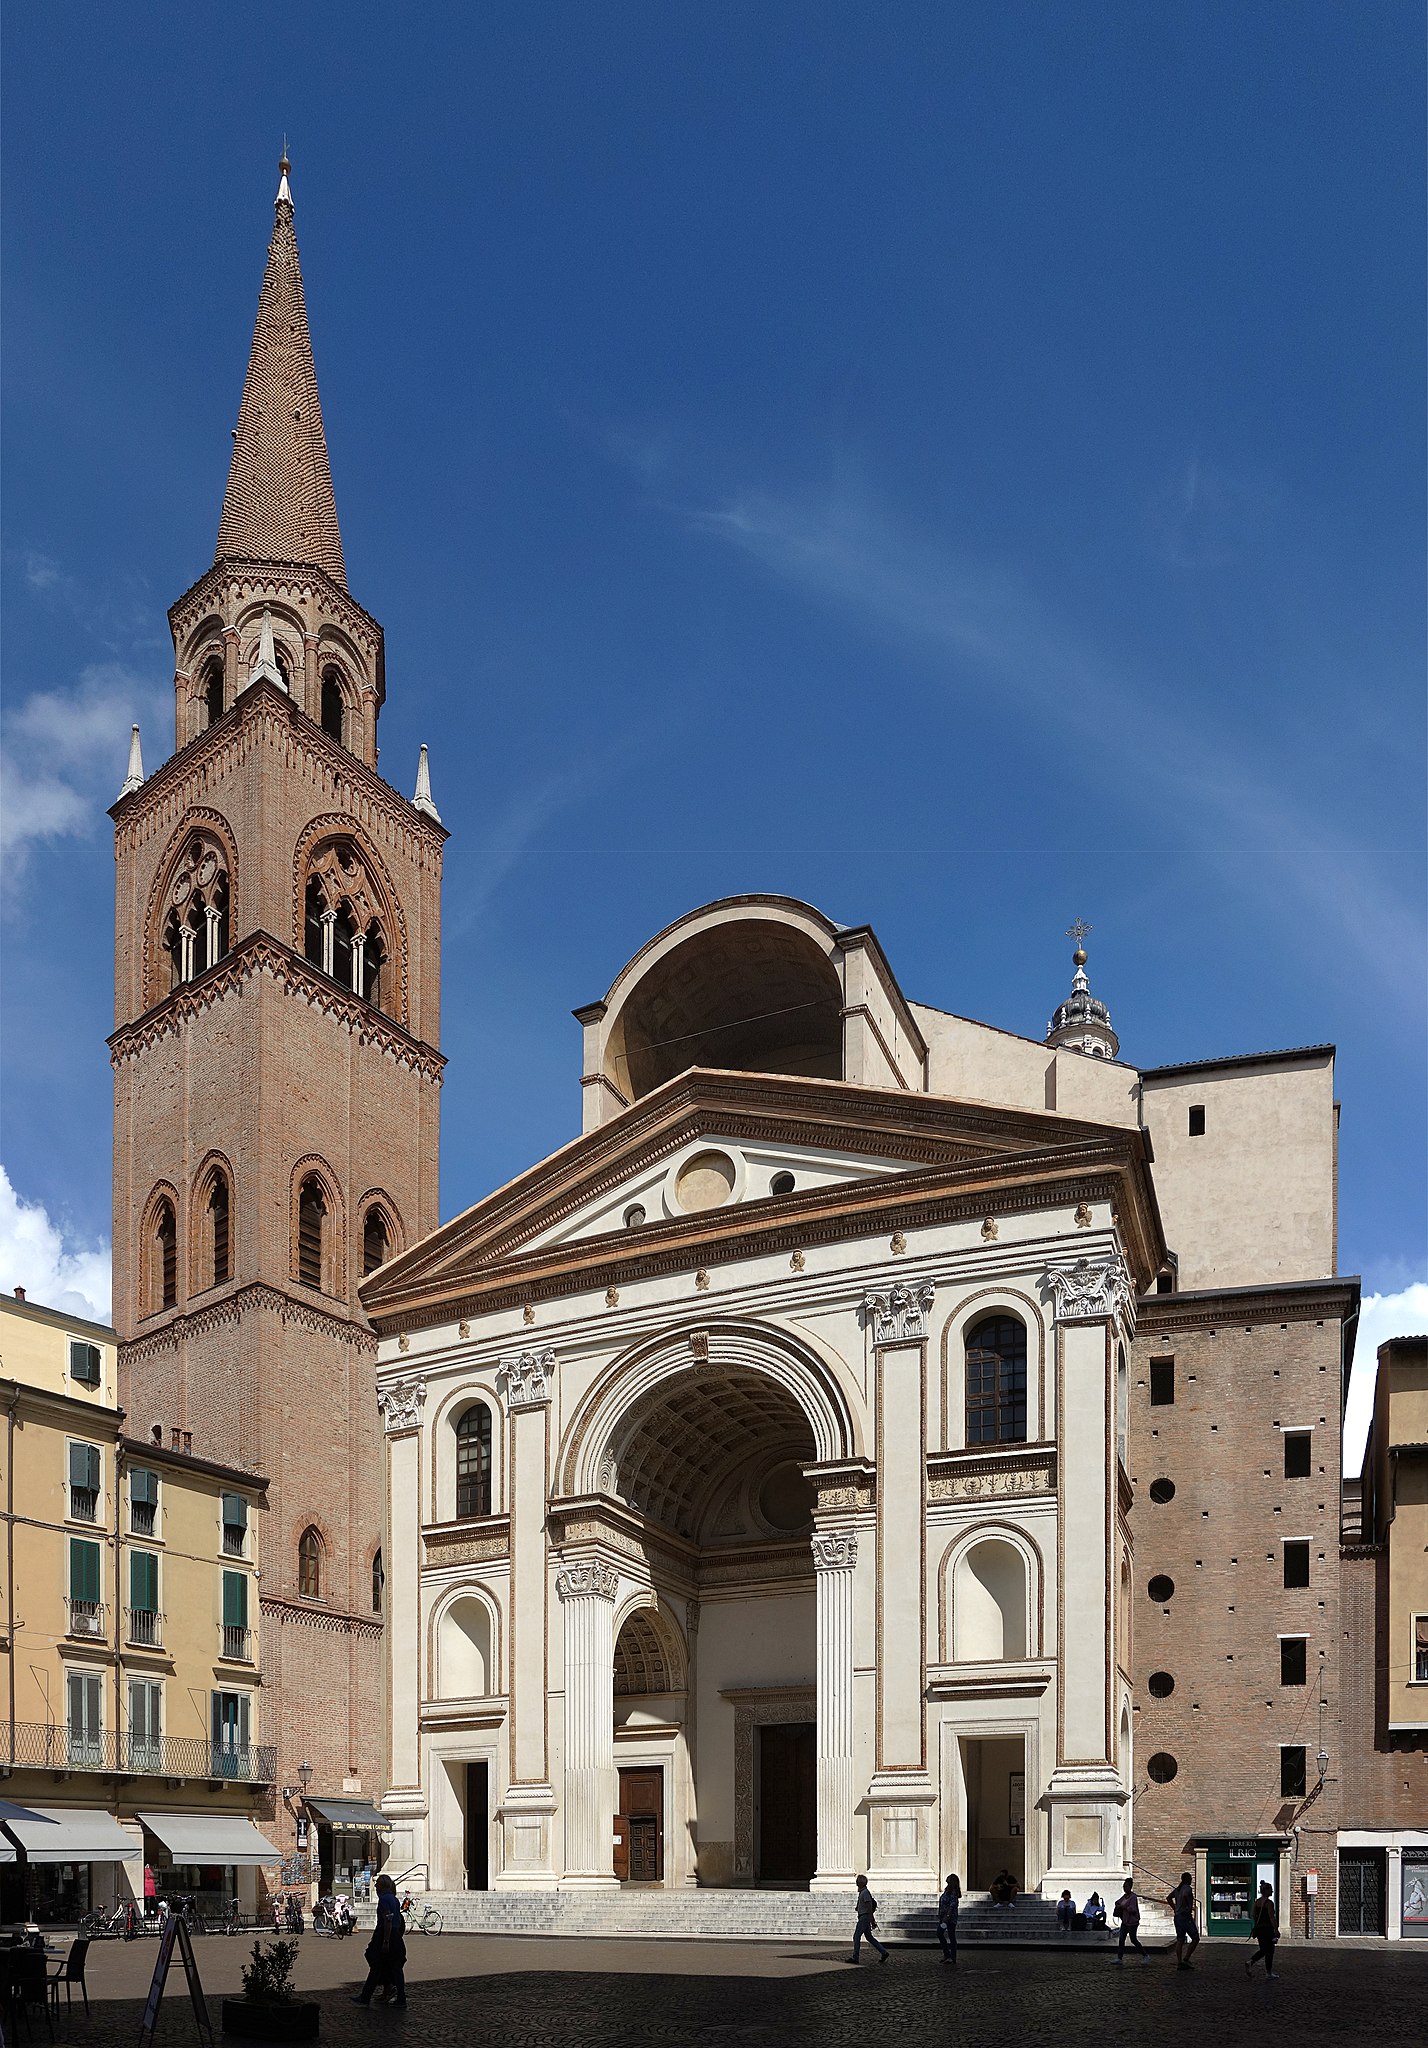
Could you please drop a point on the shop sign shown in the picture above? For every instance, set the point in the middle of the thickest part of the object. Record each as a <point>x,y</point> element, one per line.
<point>1415,1894</point>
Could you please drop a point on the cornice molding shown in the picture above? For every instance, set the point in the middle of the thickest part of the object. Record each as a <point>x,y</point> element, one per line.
<point>259,953</point>
<point>332,1621</point>
<point>179,1325</point>
<point>288,579</point>
<point>1298,1302</point>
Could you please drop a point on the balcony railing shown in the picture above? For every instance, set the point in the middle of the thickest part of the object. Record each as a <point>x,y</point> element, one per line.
<point>235,1644</point>
<point>83,1505</point>
<point>144,1627</point>
<point>235,1540</point>
<point>45,1746</point>
<point>86,1618</point>
<point>143,1517</point>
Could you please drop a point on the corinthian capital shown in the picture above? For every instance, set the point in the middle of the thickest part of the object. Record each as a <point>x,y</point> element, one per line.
<point>400,1405</point>
<point>1092,1289</point>
<point>898,1314</point>
<point>587,1578</point>
<point>526,1378</point>
<point>835,1550</point>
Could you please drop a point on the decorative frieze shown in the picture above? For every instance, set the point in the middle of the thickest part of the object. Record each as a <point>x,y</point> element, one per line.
<point>1007,1477</point>
<point>587,1578</point>
<point>1091,1289</point>
<point>835,1550</point>
<point>400,1404</point>
<point>898,1314</point>
<point>525,1378</point>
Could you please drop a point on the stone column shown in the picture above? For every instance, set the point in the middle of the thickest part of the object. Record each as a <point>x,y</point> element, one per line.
<point>311,688</point>
<point>528,1807</point>
<point>835,1553</point>
<point>400,1404</point>
<point>1086,1796</point>
<point>359,951</point>
<point>328,921</point>
<point>901,1795</point>
<point>587,1598</point>
<point>231,652</point>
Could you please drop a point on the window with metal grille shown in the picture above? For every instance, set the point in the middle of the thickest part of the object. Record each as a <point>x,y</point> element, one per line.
<point>1293,1660</point>
<point>143,1500</point>
<point>996,1381</point>
<point>84,1468</point>
<point>1293,1778</point>
<point>235,1525</point>
<point>310,1565</point>
<point>1162,1383</point>
<point>312,1216</point>
<point>473,1462</point>
<point>1297,1447</point>
<point>218,1228</point>
<point>1296,1564</point>
<point>374,1241</point>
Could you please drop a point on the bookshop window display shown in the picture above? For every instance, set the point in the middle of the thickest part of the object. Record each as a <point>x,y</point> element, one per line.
<point>1234,1871</point>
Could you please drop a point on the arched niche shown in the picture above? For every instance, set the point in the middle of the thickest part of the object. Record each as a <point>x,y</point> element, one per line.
<point>990,1608</point>
<point>465,1650</point>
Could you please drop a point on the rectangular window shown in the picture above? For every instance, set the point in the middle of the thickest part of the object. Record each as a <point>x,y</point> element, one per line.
<point>1420,1649</point>
<point>1293,1660</point>
<point>86,1615</point>
<point>1162,1383</point>
<point>235,1614</point>
<point>1296,1564</point>
<point>146,1739</point>
<point>143,1501</point>
<point>83,1483</point>
<point>1298,1444</point>
<point>1293,1783</point>
<point>144,1580</point>
<point>84,1362</point>
<point>230,1735</point>
<point>235,1525</point>
<point>86,1737</point>
<point>1197,1120</point>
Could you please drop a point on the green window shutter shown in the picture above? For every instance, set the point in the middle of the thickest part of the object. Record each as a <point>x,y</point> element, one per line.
<point>144,1581</point>
<point>79,1465</point>
<point>83,1570</point>
<point>84,1363</point>
<point>144,1487</point>
<point>235,1511</point>
<point>235,1600</point>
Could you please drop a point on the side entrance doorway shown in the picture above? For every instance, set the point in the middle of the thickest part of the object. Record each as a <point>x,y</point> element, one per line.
<point>478,1827</point>
<point>788,1803</point>
<point>639,1826</point>
<point>994,1777</point>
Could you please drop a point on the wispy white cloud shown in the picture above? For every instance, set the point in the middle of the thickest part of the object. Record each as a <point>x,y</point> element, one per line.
<point>505,836</point>
<point>56,1268</point>
<point>1381,1316</point>
<point>64,753</point>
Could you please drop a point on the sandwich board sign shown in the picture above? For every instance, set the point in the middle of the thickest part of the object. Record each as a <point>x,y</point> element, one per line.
<point>175,1930</point>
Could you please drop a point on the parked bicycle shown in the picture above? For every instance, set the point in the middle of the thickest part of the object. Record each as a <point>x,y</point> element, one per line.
<point>420,1919</point>
<point>287,1913</point>
<point>333,1916</point>
<point>230,1921</point>
<point>107,1926</point>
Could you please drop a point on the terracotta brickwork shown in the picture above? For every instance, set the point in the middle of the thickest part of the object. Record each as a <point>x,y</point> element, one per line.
<point>1249,1365</point>
<point>276,1078</point>
<point>1386,1777</point>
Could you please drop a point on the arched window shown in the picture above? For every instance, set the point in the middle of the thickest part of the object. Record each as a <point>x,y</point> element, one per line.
<point>195,931</point>
<point>473,1462</point>
<point>374,1240</point>
<point>213,693</point>
<point>379,1583</point>
<point>989,1603</point>
<point>310,1565</point>
<point>314,908</point>
<point>343,932</point>
<point>996,1381</point>
<point>332,704</point>
<point>163,1255</point>
<point>312,1220</point>
<point>374,960</point>
<point>219,1263</point>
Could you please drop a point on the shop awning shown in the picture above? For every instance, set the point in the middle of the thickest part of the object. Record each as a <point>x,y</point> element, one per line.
<point>349,1813</point>
<point>211,1838</point>
<point>69,1834</point>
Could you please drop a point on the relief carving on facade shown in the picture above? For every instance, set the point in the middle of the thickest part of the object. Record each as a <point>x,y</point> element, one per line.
<point>525,1378</point>
<point>987,1480</point>
<point>400,1405</point>
<point>898,1314</point>
<point>835,1550</point>
<point>586,1579</point>
<point>1092,1288</point>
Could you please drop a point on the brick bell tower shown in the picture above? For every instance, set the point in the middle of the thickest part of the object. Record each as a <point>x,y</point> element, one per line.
<point>276,1077</point>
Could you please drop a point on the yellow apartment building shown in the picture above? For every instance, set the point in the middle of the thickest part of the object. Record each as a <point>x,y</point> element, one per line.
<point>131,1751</point>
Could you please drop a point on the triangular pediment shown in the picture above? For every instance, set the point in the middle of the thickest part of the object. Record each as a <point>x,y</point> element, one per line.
<point>708,1159</point>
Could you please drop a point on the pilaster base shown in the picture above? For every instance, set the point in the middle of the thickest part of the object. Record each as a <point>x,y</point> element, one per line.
<point>901,1845</point>
<point>1086,1806</point>
<point>526,1815</point>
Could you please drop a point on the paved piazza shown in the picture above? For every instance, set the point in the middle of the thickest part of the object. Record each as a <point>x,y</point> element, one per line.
<point>539,1993</point>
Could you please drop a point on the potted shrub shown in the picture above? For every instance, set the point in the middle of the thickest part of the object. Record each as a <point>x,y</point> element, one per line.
<point>270,2009</point>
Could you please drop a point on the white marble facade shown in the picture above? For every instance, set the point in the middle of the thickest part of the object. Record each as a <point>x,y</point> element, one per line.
<point>729,1541</point>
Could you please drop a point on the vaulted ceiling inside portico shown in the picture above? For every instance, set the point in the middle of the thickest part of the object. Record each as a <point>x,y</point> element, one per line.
<point>700,1436</point>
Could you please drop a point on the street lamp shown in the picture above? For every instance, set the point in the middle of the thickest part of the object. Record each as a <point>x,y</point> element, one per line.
<point>305,1773</point>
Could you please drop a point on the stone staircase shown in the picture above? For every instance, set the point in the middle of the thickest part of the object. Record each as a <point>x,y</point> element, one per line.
<point>727,1914</point>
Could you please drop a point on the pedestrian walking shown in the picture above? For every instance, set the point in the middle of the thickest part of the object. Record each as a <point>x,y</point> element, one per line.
<point>386,1951</point>
<point>1265,1924</point>
<point>1127,1911</point>
<point>866,1921</point>
<point>947,1918</point>
<point>1187,1935</point>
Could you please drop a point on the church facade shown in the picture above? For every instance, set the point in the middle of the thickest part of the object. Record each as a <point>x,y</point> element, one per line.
<point>769,1470</point>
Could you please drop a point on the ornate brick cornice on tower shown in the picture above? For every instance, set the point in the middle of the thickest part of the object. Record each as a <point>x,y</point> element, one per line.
<point>279,505</point>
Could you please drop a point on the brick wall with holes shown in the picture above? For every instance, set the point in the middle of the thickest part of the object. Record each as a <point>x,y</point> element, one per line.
<point>1218,1695</point>
<point>1385,1777</point>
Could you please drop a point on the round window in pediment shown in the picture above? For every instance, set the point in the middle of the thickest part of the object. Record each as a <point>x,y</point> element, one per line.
<point>705,1182</point>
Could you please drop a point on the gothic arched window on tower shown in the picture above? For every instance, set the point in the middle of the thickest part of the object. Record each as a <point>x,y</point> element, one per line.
<point>163,1255</point>
<point>312,1224</point>
<point>195,932</point>
<point>333,704</point>
<point>314,910</point>
<point>343,933</point>
<point>379,1583</point>
<point>213,693</point>
<point>473,1462</point>
<point>996,1381</point>
<point>310,1565</point>
<point>375,1239</point>
<point>219,1242</point>
<point>374,961</point>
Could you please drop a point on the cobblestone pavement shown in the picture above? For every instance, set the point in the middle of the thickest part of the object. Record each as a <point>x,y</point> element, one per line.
<point>542,1993</point>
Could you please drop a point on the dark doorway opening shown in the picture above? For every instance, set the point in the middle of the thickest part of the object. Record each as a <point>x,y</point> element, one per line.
<point>788,1803</point>
<point>1362,1889</point>
<point>478,1832</point>
<point>642,1815</point>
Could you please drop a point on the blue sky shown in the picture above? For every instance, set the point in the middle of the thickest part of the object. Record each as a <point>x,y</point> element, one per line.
<point>962,465</point>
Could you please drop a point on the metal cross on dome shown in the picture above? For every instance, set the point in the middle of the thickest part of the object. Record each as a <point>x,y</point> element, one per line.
<point>1080,931</point>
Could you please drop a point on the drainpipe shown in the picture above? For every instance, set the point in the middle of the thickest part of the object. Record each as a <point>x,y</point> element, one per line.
<point>118,1589</point>
<point>11,1403</point>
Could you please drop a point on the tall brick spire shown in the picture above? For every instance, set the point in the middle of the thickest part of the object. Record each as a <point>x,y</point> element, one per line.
<point>279,505</point>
